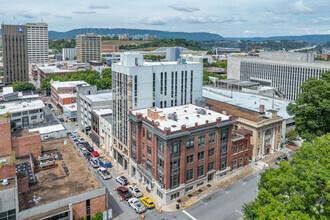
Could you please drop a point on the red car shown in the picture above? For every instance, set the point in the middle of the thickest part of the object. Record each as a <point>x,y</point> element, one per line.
<point>95,153</point>
<point>123,191</point>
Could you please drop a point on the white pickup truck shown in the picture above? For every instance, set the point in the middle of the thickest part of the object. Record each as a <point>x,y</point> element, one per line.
<point>104,173</point>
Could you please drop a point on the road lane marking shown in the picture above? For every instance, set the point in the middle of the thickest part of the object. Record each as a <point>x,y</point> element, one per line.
<point>190,216</point>
<point>203,202</point>
<point>189,205</point>
<point>239,212</point>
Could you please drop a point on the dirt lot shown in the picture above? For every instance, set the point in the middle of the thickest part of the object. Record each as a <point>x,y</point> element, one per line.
<point>54,184</point>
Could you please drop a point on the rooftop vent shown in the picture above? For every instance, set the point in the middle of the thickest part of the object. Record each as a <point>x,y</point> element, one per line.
<point>201,111</point>
<point>172,116</point>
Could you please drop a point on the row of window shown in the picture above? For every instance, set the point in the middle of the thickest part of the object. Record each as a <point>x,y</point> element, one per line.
<point>240,147</point>
<point>200,156</point>
<point>240,161</point>
<point>200,171</point>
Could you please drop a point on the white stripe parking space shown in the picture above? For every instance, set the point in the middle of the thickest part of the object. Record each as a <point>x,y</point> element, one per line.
<point>190,216</point>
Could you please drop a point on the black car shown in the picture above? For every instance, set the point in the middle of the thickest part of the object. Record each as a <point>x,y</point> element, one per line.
<point>88,155</point>
<point>49,105</point>
<point>89,148</point>
<point>61,120</point>
<point>279,159</point>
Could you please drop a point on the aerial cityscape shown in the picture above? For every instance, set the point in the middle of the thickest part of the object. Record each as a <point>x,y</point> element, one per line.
<point>187,110</point>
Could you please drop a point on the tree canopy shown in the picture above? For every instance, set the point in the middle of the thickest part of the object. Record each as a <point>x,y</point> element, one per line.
<point>299,189</point>
<point>61,43</point>
<point>102,81</point>
<point>206,77</point>
<point>312,108</point>
<point>23,86</point>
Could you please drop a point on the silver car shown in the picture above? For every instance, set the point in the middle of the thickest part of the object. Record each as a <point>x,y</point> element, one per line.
<point>104,173</point>
<point>136,192</point>
<point>137,205</point>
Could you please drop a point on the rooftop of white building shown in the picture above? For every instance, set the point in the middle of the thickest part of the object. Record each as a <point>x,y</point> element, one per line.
<point>103,111</point>
<point>54,69</point>
<point>20,106</point>
<point>58,84</point>
<point>67,95</point>
<point>247,100</point>
<point>100,97</point>
<point>186,115</point>
<point>70,107</point>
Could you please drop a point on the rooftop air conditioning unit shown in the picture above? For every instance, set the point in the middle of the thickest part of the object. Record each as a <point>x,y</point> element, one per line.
<point>201,111</point>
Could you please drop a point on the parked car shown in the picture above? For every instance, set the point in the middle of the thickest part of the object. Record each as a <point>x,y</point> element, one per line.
<point>81,140</point>
<point>49,105</point>
<point>137,205</point>
<point>89,148</point>
<point>136,192</point>
<point>5,182</point>
<point>147,202</point>
<point>122,180</point>
<point>94,162</point>
<point>95,153</point>
<point>88,155</point>
<point>104,173</point>
<point>123,191</point>
<point>279,159</point>
<point>61,120</point>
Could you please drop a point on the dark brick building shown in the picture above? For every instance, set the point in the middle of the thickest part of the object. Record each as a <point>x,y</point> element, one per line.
<point>240,148</point>
<point>174,150</point>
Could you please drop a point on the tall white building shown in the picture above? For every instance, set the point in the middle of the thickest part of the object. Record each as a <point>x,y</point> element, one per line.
<point>281,70</point>
<point>69,53</point>
<point>37,40</point>
<point>138,84</point>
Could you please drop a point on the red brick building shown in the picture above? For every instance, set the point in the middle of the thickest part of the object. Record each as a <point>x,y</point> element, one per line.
<point>109,48</point>
<point>240,148</point>
<point>68,91</point>
<point>174,150</point>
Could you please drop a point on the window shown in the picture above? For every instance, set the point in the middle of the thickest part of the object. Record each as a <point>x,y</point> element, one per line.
<point>211,152</point>
<point>234,163</point>
<point>160,163</point>
<point>201,155</point>
<point>88,209</point>
<point>149,165</point>
<point>240,160</point>
<point>190,143</point>
<point>174,181</point>
<point>190,175</point>
<point>143,132</point>
<point>34,117</point>
<point>144,147</point>
<point>258,134</point>
<point>210,166</point>
<point>175,148</point>
<point>159,194</point>
<point>234,149</point>
<point>200,171</point>
<point>245,159</point>
<point>223,164</point>
<point>175,195</point>
<point>200,184</point>
<point>190,159</point>
<point>189,188</point>
<point>240,148</point>
<point>201,140</point>
<point>246,144</point>
<point>148,135</point>
<point>16,114</point>
<point>160,146</point>
<point>143,160</point>
<point>224,135</point>
<point>211,137</point>
<point>149,150</point>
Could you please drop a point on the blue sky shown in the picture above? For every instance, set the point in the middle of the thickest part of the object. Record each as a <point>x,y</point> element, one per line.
<point>234,18</point>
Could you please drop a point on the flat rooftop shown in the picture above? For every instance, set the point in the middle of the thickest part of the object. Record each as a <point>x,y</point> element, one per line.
<point>23,133</point>
<point>71,107</point>
<point>55,183</point>
<point>247,100</point>
<point>54,69</point>
<point>236,111</point>
<point>103,111</point>
<point>100,97</point>
<point>58,84</point>
<point>20,106</point>
<point>186,115</point>
<point>164,63</point>
<point>67,95</point>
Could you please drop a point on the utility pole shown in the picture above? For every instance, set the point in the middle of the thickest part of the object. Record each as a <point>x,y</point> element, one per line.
<point>257,182</point>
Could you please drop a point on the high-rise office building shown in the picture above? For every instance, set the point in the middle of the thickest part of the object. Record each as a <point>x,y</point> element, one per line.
<point>88,47</point>
<point>281,70</point>
<point>138,84</point>
<point>37,39</point>
<point>15,53</point>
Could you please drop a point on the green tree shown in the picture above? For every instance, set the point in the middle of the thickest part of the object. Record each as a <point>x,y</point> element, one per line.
<point>99,216</point>
<point>12,124</point>
<point>299,189</point>
<point>312,108</point>
<point>291,135</point>
<point>23,86</point>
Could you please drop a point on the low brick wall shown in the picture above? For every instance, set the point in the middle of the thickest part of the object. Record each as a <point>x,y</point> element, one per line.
<point>25,145</point>
<point>23,185</point>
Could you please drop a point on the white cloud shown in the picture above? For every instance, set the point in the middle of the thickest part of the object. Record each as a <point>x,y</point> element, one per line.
<point>84,12</point>
<point>184,8</point>
<point>321,19</point>
<point>154,21</point>
<point>299,7</point>
<point>248,32</point>
<point>92,6</point>
<point>63,17</point>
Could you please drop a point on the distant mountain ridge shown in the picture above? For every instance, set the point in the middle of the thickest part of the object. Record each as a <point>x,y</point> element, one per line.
<point>316,38</point>
<point>195,36</point>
